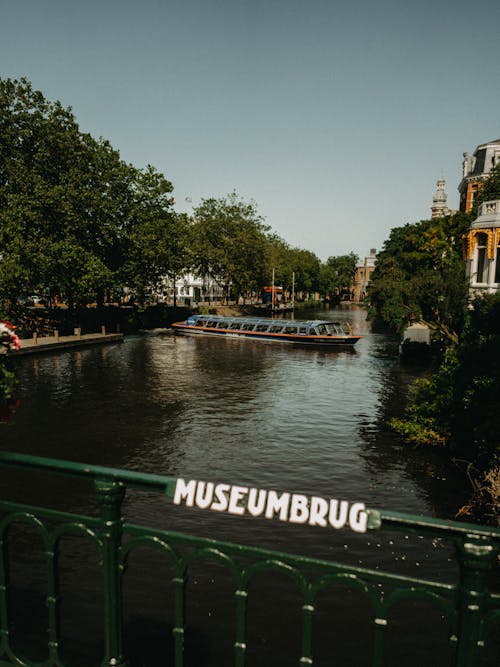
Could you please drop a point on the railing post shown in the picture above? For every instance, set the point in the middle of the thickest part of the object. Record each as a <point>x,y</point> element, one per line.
<point>307,624</point>
<point>51,553</point>
<point>110,495</point>
<point>179,582</point>
<point>4,585</point>
<point>240,645</point>
<point>476,558</point>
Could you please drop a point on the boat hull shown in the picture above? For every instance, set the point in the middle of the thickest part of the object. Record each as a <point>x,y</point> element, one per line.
<point>330,341</point>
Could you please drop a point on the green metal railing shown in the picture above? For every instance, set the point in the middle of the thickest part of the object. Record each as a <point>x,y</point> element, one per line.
<point>470,608</point>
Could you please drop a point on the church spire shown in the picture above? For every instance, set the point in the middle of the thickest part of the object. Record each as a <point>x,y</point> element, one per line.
<point>439,206</point>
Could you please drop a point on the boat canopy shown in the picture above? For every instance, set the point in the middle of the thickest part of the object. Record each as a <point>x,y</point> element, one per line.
<point>265,324</point>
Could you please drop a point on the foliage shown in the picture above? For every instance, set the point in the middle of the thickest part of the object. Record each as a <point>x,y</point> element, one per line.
<point>337,274</point>
<point>74,218</point>
<point>279,258</point>
<point>458,406</point>
<point>8,341</point>
<point>307,269</point>
<point>484,503</point>
<point>293,266</point>
<point>7,384</point>
<point>420,275</point>
<point>80,224</point>
<point>228,240</point>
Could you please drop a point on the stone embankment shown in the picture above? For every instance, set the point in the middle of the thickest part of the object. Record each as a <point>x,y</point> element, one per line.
<point>55,343</point>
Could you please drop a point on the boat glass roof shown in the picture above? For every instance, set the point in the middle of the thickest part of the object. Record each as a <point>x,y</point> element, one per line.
<point>261,320</point>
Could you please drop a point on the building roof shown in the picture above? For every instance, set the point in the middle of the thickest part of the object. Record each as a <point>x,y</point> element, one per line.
<point>488,215</point>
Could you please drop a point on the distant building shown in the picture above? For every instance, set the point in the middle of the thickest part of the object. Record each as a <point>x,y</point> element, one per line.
<point>189,288</point>
<point>482,251</point>
<point>439,206</point>
<point>362,276</point>
<point>476,168</point>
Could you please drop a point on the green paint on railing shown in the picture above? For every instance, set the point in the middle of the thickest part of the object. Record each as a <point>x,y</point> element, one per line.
<point>472,611</point>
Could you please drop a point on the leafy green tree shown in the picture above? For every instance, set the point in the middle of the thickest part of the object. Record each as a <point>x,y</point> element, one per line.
<point>306,266</point>
<point>420,275</point>
<point>457,407</point>
<point>292,266</point>
<point>154,239</point>
<point>337,275</point>
<point>73,271</point>
<point>229,242</point>
<point>278,259</point>
<point>74,218</point>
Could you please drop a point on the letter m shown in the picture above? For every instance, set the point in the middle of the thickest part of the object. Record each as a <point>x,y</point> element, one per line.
<point>185,492</point>
<point>277,504</point>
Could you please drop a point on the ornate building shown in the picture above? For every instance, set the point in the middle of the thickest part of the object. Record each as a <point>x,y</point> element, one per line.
<point>482,251</point>
<point>476,168</point>
<point>439,206</point>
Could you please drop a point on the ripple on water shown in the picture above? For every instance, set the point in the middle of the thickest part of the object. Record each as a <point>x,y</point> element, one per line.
<point>241,412</point>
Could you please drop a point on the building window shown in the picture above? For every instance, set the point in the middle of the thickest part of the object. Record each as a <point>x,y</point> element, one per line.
<point>482,261</point>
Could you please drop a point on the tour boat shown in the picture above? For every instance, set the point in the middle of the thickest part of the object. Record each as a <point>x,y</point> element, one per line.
<point>319,333</point>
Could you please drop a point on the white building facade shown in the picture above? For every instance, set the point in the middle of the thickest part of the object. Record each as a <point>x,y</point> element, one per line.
<point>190,288</point>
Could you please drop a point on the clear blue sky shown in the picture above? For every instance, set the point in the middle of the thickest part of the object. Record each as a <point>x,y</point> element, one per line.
<point>335,116</point>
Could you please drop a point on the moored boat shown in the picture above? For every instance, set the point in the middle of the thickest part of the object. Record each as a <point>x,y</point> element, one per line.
<point>317,333</point>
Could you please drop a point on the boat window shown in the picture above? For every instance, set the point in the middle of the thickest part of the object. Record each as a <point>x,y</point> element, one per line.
<point>290,330</point>
<point>303,331</point>
<point>211,324</point>
<point>235,325</point>
<point>248,327</point>
<point>276,328</point>
<point>342,328</point>
<point>262,327</point>
<point>321,329</point>
<point>201,323</point>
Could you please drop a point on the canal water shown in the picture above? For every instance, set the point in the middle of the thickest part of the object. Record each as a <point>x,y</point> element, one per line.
<point>241,412</point>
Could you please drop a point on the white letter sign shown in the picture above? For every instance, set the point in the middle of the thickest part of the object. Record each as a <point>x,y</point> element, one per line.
<point>289,507</point>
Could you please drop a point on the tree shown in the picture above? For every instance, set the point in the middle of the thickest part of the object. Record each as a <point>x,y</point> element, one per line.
<point>279,261</point>
<point>457,407</point>
<point>155,238</point>
<point>337,275</point>
<point>74,218</point>
<point>291,266</point>
<point>420,275</point>
<point>307,268</point>
<point>229,242</point>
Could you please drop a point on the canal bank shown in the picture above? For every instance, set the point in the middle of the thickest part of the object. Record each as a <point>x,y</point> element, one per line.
<point>125,319</point>
<point>55,343</point>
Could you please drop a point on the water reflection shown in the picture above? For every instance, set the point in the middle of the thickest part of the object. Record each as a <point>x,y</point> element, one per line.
<point>244,412</point>
<point>307,420</point>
